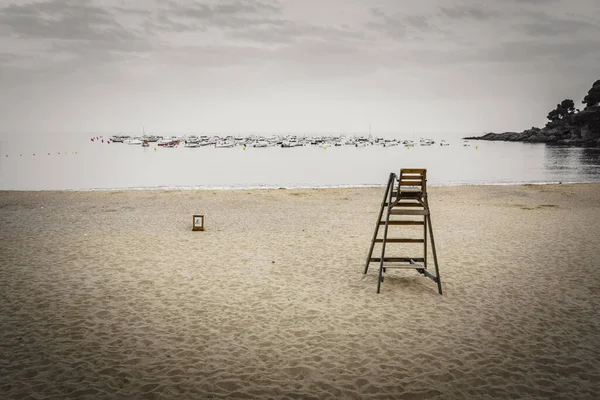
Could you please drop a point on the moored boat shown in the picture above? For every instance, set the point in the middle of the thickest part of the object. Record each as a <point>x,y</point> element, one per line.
<point>223,144</point>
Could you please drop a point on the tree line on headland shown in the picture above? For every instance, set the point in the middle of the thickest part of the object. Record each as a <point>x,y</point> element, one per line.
<point>567,125</point>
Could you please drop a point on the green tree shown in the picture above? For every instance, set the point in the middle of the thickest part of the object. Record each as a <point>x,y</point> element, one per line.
<point>593,97</point>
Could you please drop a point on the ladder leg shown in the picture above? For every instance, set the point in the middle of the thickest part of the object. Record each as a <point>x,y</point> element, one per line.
<point>379,279</point>
<point>385,196</point>
<point>385,232</point>
<point>425,218</point>
<point>435,260</point>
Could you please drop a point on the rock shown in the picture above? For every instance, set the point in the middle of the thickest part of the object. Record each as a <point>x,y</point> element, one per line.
<point>582,128</point>
<point>586,133</point>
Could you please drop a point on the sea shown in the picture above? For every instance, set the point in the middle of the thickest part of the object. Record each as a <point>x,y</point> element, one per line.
<point>75,162</point>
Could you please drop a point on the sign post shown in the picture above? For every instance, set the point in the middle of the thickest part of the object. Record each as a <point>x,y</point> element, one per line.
<point>198,223</point>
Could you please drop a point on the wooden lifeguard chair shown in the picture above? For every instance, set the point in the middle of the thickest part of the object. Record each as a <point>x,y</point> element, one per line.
<point>407,204</point>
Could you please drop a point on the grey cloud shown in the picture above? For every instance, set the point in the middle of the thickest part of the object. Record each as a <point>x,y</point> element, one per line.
<point>535,50</point>
<point>60,20</point>
<point>279,34</point>
<point>234,16</point>
<point>544,25</point>
<point>111,44</point>
<point>417,21</point>
<point>388,26</point>
<point>132,11</point>
<point>535,2</point>
<point>466,12</point>
<point>162,23</point>
<point>224,14</point>
<point>69,21</point>
<point>70,37</point>
<point>254,22</point>
<point>399,26</point>
<point>285,32</point>
<point>527,52</point>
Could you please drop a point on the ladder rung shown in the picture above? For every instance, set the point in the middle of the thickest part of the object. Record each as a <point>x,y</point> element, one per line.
<point>404,266</point>
<point>406,191</point>
<point>409,212</point>
<point>410,195</point>
<point>406,204</point>
<point>398,240</point>
<point>402,223</point>
<point>397,259</point>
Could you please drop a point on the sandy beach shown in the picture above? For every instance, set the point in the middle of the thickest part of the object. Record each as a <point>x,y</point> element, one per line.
<point>112,295</point>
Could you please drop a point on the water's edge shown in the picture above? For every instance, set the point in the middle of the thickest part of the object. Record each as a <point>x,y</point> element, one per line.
<point>270,187</point>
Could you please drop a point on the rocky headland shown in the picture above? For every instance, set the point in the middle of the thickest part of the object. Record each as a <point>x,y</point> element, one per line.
<point>566,126</point>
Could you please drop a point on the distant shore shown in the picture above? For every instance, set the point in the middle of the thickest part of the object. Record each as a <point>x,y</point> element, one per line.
<point>534,136</point>
<point>111,294</point>
<point>566,125</point>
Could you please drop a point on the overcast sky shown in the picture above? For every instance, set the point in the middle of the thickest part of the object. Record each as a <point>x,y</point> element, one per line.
<point>300,66</point>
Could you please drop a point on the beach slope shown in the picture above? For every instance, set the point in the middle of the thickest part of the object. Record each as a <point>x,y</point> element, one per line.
<point>112,295</point>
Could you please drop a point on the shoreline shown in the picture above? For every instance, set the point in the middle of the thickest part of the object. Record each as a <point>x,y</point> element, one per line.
<point>569,144</point>
<point>260,188</point>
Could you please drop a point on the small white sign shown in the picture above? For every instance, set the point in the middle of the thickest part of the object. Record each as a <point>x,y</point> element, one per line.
<point>198,223</point>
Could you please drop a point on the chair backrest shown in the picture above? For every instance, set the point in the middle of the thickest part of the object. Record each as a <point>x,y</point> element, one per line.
<point>412,181</point>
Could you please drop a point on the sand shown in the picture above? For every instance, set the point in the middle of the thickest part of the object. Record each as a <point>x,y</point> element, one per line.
<point>112,295</point>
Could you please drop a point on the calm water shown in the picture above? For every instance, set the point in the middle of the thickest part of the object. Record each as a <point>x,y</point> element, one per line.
<point>85,165</point>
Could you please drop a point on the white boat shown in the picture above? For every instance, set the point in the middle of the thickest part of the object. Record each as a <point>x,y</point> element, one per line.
<point>119,138</point>
<point>164,141</point>
<point>223,144</point>
<point>466,143</point>
<point>444,143</point>
<point>291,143</point>
<point>134,141</point>
<point>426,142</point>
<point>362,142</point>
